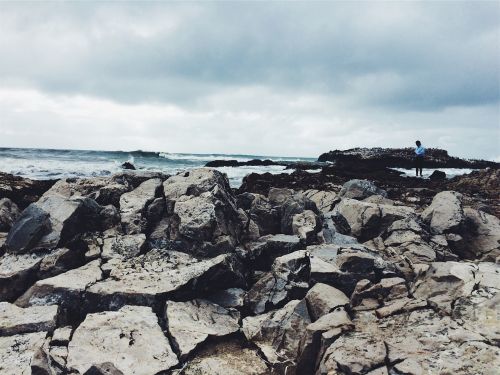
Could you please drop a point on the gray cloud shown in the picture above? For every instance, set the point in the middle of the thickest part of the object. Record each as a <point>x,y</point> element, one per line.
<point>369,61</point>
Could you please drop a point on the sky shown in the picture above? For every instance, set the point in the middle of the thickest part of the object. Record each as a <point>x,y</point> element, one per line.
<point>261,78</point>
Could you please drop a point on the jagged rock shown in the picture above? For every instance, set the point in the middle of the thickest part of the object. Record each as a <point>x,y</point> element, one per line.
<point>400,305</point>
<point>482,239</point>
<point>22,191</point>
<point>16,352</point>
<point>437,176</point>
<point>333,323</point>
<point>444,282</point>
<point>61,336</point>
<point>51,222</point>
<point>17,273</point>
<point>306,225</point>
<point>123,246</point>
<point>110,217</point>
<point>367,220</point>
<point>387,289</point>
<point>445,214</point>
<point>283,338</point>
<point>288,280</point>
<point>335,228</point>
<point>229,298</point>
<point>267,248</point>
<point>324,200</point>
<point>191,323</point>
<point>65,289</point>
<point>130,339</point>
<point>360,189</point>
<point>128,165</point>
<point>9,212</point>
<point>194,182</point>
<point>278,196</point>
<point>49,360</point>
<point>226,358</point>
<point>142,279</point>
<point>296,204</point>
<point>133,205</point>
<point>264,215</point>
<point>323,298</point>
<point>15,320</point>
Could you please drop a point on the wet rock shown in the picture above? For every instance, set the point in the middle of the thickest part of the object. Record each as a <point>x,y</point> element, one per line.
<point>360,189</point>
<point>226,358</point>
<point>322,299</point>
<point>65,289</point>
<point>306,225</point>
<point>9,212</point>
<point>128,165</point>
<point>191,323</point>
<point>437,176</point>
<point>30,227</point>
<point>133,205</point>
<point>288,280</point>
<point>143,279</point>
<point>445,214</point>
<point>123,246</point>
<point>283,338</point>
<point>16,352</point>
<point>130,339</point>
<point>15,320</point>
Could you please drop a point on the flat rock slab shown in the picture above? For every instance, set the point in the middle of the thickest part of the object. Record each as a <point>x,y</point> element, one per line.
<point>16,320</point>
<point>17,351</point>
<point>323,298</point>
<point>141,279</point>
<point>65,288</point>
<point>17,273</point>
<point>229,358</point>
<point>130,339</point>
<point>190,323</point>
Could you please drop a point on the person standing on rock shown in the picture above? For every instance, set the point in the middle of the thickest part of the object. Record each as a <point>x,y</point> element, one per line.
<point>419,158</point>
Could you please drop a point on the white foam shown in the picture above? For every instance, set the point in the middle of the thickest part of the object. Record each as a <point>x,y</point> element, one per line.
<point>450,172</point>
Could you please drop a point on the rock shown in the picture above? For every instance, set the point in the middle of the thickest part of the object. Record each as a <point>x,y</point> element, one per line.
<point>22,191</point>
<point>360,189</point>
<point>226,358</point>
<point>52,222</point>
<point>398,306</point>
<point>61,336</point>
<point>324,200</point>
<point>123,247</point>
<point>15,320</point>
<point>16,352</point>
<point>17,273</point>
<point>437,176</point>
<point>128,165</point>
<point>444,282</point>
<point>288,280</point>
<point>262,213</point>
<point>306,225</point>
<point>266,249</point>
<point>368,220</point>
<point>9,212</point>
<point>106,368</point>
<point>194,183</point>
<point>110,217</point>
<point>278,196</point>
<point>379,199</point>
<point>191,323</point>
<point>296,204</point>
<point>130,339</point>
<point>65,289</point>
<point>445,214</point>
<point>133,205</point>
<point>159,273</point>
<point>482,239</point>
<point>283,338</point>
<point>229,298</point>
<point>334,323</point>
<point>322,299</point>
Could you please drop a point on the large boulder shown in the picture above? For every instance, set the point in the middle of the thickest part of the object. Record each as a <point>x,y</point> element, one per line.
<point>159,273</point>
<point>445,214</point>
<point>191,323</point>
<point>482,237</point>
<point>130,339</point>
<point>324,200</point>
<point>283,338</point>
<point>368,220</point>
<point>323,298</point>
<point>134,204</point>
<point>9,212</point>
<point>15,320</point>
<point>360,189</point>
<point>51,222</point>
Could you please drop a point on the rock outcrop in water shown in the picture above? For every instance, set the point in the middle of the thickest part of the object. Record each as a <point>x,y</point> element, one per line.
<point>143,273</point>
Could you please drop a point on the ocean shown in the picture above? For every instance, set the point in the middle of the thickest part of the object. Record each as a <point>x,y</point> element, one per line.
<point>56,164</point>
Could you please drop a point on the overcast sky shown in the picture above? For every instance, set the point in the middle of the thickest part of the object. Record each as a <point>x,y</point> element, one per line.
<point>291,79</point>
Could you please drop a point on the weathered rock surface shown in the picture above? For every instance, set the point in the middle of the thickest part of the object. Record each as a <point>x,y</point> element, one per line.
<point>266,249</point>
<point>9,212</point>
<point>123,247</point>
<point>190,323</point>
<point>17,273</point>
<point>16,352</point>
<point>360,189</point>
<point>15,320</point>
<point>130,339</point>
<point>323,298</point>
<point>445,214</point>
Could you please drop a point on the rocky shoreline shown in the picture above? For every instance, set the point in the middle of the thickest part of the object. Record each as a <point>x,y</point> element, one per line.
<point>344,271</point>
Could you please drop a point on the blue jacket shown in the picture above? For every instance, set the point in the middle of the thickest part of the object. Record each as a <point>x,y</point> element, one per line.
<point>420,151</point>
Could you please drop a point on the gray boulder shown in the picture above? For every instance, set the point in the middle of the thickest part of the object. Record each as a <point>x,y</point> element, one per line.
<point>306,225</point>
<point>9,212</point>
<point>130,339</point>
<point>266,249</point>
<point>323,298</point>
<point>445,214</point>
<point>360,189</point>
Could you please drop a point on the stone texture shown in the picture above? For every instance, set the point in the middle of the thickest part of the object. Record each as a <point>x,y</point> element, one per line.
<point>445,214</point>
<point>123,246</point>
<point>16,352</point>
<point>130,339</point>
<point>306,225</point>
<point>15,320</point>
<point>323,298</point>
<point>191,323</point>
<point>9,212</point>
<point>360,189</point>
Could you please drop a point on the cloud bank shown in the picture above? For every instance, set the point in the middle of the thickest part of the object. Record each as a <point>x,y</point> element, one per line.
<point>275,78</point>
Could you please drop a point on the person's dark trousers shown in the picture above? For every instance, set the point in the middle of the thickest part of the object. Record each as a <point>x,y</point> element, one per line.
<point>419,164</point>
